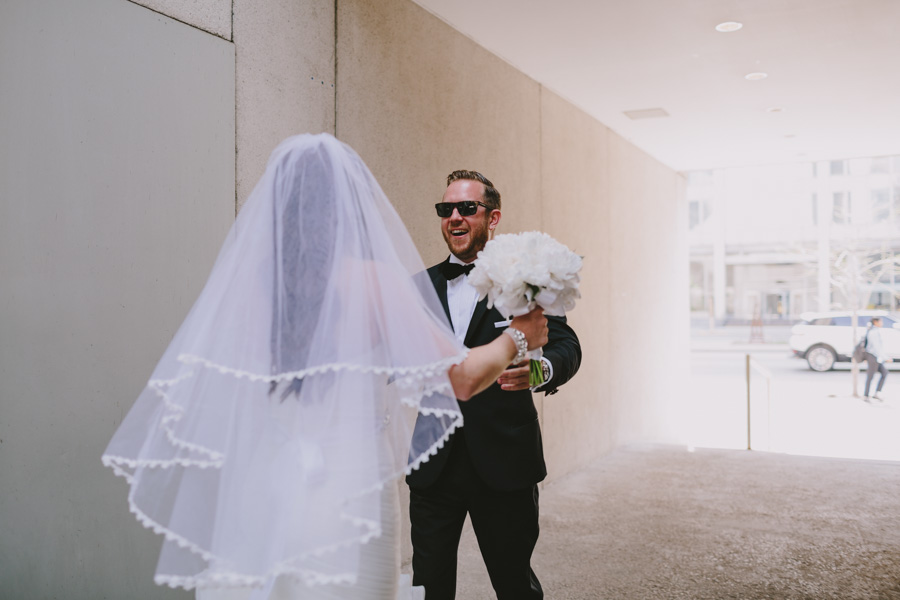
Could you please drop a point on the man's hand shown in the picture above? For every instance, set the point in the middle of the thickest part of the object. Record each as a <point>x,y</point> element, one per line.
<point>515,378</point>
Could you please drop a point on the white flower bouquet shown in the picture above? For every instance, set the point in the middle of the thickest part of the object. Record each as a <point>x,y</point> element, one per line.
<point>519,272</point>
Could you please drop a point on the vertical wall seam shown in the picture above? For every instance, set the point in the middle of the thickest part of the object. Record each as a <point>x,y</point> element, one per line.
<point>541,192</point>
<point>335,99</point>
<point>608,284</point>
<point>541,153</point>
<point>235,113</point>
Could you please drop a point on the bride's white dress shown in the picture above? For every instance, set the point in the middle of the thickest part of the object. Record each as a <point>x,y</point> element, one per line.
<point>379,573</point>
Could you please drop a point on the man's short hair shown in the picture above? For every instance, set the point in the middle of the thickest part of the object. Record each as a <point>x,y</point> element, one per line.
<point>491,195</point>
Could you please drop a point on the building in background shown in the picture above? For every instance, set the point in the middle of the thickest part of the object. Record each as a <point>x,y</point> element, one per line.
<point>773,242</point>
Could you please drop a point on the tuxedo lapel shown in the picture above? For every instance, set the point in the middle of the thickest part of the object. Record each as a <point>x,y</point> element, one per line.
<point>440,286</point>
<point>481,309</point>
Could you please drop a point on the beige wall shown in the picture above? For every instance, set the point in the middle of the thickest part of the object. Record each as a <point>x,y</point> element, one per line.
<point>284,71</point>
<point>648,326</point>
<point>576,206</point>
<point>213,93</point>
<point>417,100</point>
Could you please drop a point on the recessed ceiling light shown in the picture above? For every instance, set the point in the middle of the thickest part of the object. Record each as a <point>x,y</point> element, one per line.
<point>791,135</point>
<point>775,109</point>
<point>646,113</point>
<point>729,26</point>
<point>755,76</point>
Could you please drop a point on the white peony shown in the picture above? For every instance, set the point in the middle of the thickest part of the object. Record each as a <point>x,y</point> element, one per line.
<point>518,272</point>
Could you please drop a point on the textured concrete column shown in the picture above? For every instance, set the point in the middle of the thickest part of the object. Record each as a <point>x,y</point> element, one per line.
<point>284,78</point>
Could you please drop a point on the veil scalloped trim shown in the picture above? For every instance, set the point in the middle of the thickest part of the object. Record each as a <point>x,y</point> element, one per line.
<point>159,386</point>
<point>311,371</point>
<point>369,528</point>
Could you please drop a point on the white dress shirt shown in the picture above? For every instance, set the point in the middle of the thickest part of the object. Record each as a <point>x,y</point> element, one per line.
<point>461,300</point>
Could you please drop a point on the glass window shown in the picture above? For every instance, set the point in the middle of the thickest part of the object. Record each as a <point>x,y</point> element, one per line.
<point>841,209</point>
<point>700,178</point>
<point>841,321</point>
<point>822,321</point>
<point>837,167</point>
<point>896,207</point>
<point>881,164</point>
<point>881,205</point>
<point>698,212</point>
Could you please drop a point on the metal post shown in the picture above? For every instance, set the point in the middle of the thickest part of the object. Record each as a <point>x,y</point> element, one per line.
<point>748,402</point>
<point>769,414</point>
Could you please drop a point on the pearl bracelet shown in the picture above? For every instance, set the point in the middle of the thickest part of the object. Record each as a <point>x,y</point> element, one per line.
<point>521,343</point>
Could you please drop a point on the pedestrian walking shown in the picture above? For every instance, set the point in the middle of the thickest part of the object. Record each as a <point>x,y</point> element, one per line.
<point>875,359</point>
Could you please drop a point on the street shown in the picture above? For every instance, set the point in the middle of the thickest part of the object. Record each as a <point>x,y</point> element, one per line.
<point>793,409</point>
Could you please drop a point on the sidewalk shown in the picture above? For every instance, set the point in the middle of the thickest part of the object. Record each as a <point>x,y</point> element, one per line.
<point>659,522</point>
<point>737,339</point>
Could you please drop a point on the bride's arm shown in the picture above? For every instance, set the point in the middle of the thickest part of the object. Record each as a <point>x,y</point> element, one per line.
<point>484,364</point>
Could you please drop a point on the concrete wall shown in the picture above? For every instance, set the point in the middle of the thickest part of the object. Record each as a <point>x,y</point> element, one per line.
<point>284,76</point>
<point>116,189</point>
<point>417,99</point>
<point>648,327</point>
<point>576,202</point>
<point>156,130</point>
<point>284,70</point>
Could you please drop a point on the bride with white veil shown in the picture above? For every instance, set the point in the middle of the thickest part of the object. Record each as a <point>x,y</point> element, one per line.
<point>267,445</point>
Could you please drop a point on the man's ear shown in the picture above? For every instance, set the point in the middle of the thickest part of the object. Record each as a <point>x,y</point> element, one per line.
<point>494,220</point>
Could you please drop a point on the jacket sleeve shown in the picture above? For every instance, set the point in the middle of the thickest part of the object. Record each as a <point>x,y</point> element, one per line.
<point>563,351</point>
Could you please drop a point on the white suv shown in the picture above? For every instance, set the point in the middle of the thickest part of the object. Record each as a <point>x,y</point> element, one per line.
<point>826,338</point>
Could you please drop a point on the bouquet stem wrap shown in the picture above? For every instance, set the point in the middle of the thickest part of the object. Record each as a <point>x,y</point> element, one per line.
<point>536,368</point>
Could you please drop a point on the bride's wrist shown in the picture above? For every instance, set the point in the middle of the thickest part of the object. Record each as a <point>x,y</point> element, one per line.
<point>518,337</point>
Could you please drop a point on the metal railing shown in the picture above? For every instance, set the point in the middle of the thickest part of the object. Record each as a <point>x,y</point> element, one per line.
<point>753,365</point>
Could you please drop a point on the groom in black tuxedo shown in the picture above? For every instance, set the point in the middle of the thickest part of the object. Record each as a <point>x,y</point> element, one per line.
<point>490,468</point>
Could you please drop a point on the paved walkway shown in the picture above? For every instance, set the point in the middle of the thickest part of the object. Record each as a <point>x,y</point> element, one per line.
<point>659,522</point>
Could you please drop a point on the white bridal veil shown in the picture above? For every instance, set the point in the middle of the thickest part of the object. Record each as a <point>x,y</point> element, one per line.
<point>287,399</point>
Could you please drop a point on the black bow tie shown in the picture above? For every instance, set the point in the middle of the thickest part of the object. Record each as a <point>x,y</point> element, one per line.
<point>453,270</point>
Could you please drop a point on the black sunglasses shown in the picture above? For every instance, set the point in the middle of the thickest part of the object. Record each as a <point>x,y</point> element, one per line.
<point>467,208</point>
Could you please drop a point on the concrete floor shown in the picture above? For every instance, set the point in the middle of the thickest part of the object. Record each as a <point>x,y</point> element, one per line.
<point>659,522</point>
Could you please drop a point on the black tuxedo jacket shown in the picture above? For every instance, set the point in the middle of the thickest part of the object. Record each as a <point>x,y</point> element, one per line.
<point>501,428</point>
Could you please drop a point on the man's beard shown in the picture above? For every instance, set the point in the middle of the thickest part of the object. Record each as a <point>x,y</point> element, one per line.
<point>477,239</point>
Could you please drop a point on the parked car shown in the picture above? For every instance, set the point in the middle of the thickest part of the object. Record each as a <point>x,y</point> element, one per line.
<point>826,338</point>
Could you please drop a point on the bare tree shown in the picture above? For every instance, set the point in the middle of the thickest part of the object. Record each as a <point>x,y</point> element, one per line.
<point>856,273</point>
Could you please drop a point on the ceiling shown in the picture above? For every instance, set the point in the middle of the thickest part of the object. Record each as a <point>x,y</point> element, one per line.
<point>833,66</point>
